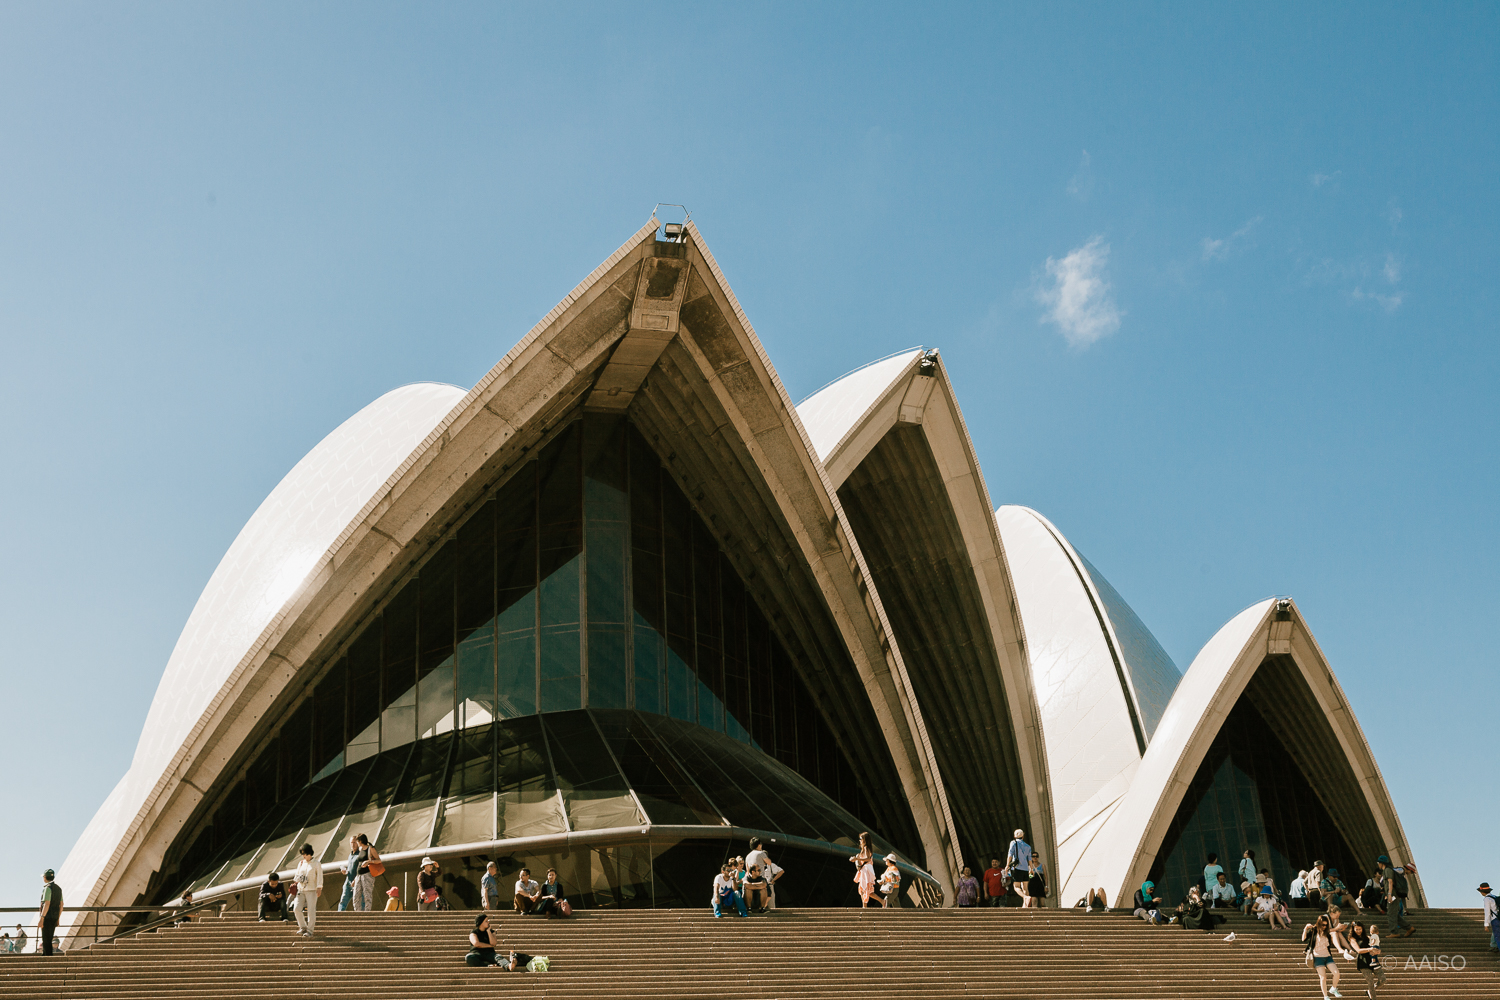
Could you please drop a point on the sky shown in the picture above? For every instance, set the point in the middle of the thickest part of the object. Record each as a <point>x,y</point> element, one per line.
<point>1215,285</point>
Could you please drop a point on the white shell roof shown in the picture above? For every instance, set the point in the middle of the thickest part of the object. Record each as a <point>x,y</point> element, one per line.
<point>266,566</point>
<point>832,411</point>
<point>1092,753</point>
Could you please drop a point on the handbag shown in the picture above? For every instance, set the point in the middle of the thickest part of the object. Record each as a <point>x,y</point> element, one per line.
<point>429,895</point>
<point>375,865</point>
<point>566,908</point>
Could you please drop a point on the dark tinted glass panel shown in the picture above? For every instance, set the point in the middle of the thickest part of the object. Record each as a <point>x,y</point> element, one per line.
<point>364,695</point>
<point>664,789</point>
<point>398,680</point>
<point>608,669</point>
<point>758,646</point>
<point>647,597</point>
<point>260,783</point>
<point>468,812</point>
<point>328,724</point>
<point>476,678</point>
<point>677,539</point>
<point>710,628</point>
<point>736,654</point>
<point>375,795</point>
<point>435,664</point>
<point>696,757</point>
<point>408,825</point>
<point>784,689</point>
<point>1250,793</point>
<point>296,748</point>
<point>476,571</point>
<point>527,798</point>
<point>560,510</point>
<point>594,791</point>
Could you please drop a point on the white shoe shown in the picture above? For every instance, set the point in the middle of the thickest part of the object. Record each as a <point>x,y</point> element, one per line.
<point>1333,991</point>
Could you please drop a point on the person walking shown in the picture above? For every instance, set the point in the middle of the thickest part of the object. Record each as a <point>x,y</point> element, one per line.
<point>272,898</point>
<point>1365,942</point>
<point>1017,858</point>
<point>428,890</point>
<point>1036,881</point>
<point>967,890</point>
<point>351,872</point>
<point>20,939</point>
<point>1247,872</point>
<point>309,879</point>
<point>489,887</point>
<point>864,870</point>
<point>1488,899</point>
<point>1322,945</point>
<point>364,882</point>
<point>890,883</point>
<point>50,911</point>
<point>994,884</point>
<point>1393,883</point>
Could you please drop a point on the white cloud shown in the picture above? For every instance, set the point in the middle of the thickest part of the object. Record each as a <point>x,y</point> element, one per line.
<point>1082,183</point>
<point>1392,269</point>
<point>1318,180</point>
<point>1390,303</point>
<point>1078,299</point>
<point>1219,249</point>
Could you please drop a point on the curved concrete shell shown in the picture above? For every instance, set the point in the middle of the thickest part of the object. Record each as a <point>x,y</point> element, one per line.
<point>1083,677</point>
<point>894,444</point>
<point>277,556</point>
<point>757,619</point>
<point>653,333</point>
<point>1265,662</point>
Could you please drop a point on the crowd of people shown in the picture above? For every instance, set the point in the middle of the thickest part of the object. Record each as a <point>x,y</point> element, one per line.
<point>747,884</point>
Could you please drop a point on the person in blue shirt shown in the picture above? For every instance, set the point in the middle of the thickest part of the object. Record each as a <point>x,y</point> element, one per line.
<point>1211,871</point>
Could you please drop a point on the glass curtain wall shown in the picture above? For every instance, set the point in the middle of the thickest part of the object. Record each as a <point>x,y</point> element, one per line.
<point>586,580</point>
<point>1250,793</point>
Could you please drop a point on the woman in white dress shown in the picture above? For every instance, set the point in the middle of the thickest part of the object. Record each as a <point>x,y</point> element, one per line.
<point>864,870</point>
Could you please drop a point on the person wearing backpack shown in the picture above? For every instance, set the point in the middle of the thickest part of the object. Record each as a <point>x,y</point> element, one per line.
<point>1491,914</point>
<point>1394,882</point>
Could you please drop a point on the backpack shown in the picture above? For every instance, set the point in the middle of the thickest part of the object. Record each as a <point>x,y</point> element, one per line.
<point>1398,883</point>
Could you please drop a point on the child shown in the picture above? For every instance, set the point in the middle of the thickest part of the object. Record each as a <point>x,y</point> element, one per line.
<point>890,881</point>
<point>393,905</point>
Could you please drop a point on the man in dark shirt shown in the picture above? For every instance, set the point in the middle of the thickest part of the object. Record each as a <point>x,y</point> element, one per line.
<point>51,910</point>
<point>272,898</point>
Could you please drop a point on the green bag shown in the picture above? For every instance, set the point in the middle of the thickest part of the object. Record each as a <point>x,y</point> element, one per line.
<point>538,964</point>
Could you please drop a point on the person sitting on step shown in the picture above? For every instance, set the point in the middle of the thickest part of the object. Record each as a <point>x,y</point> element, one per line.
<point>756,889</point>
<point>726,892</point>
<point>272,898</point>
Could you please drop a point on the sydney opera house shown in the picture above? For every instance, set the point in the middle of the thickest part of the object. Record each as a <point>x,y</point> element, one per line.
<point>622,605</point>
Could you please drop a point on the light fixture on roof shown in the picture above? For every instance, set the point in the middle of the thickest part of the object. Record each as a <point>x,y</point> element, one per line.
<point>674,232</point>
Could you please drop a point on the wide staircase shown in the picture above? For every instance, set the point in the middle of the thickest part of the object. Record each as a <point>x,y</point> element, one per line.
<point>678,954</point>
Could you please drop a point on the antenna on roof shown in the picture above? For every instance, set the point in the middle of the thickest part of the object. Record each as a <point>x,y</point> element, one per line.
<point>674,232</point>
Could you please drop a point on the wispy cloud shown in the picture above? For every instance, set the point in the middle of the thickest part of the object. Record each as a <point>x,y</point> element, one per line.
<point>1392,269</point>
<point>1082,183</point>
<point>1393,213</point>
<point>1318,180</point>
<point>1219,249</point>
<point>1077,297</point>
<point>1390,303</point>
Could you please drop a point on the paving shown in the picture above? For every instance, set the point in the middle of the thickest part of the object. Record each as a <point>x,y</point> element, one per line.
<point>794,953</point>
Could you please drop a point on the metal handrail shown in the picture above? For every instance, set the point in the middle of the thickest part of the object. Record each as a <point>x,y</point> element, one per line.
<point>173,913</point>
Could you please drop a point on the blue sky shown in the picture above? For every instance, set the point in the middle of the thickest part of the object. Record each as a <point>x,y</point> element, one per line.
<point>1216,285</point>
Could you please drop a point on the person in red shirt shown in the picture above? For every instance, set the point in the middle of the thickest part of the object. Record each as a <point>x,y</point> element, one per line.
<point>994,884</point>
